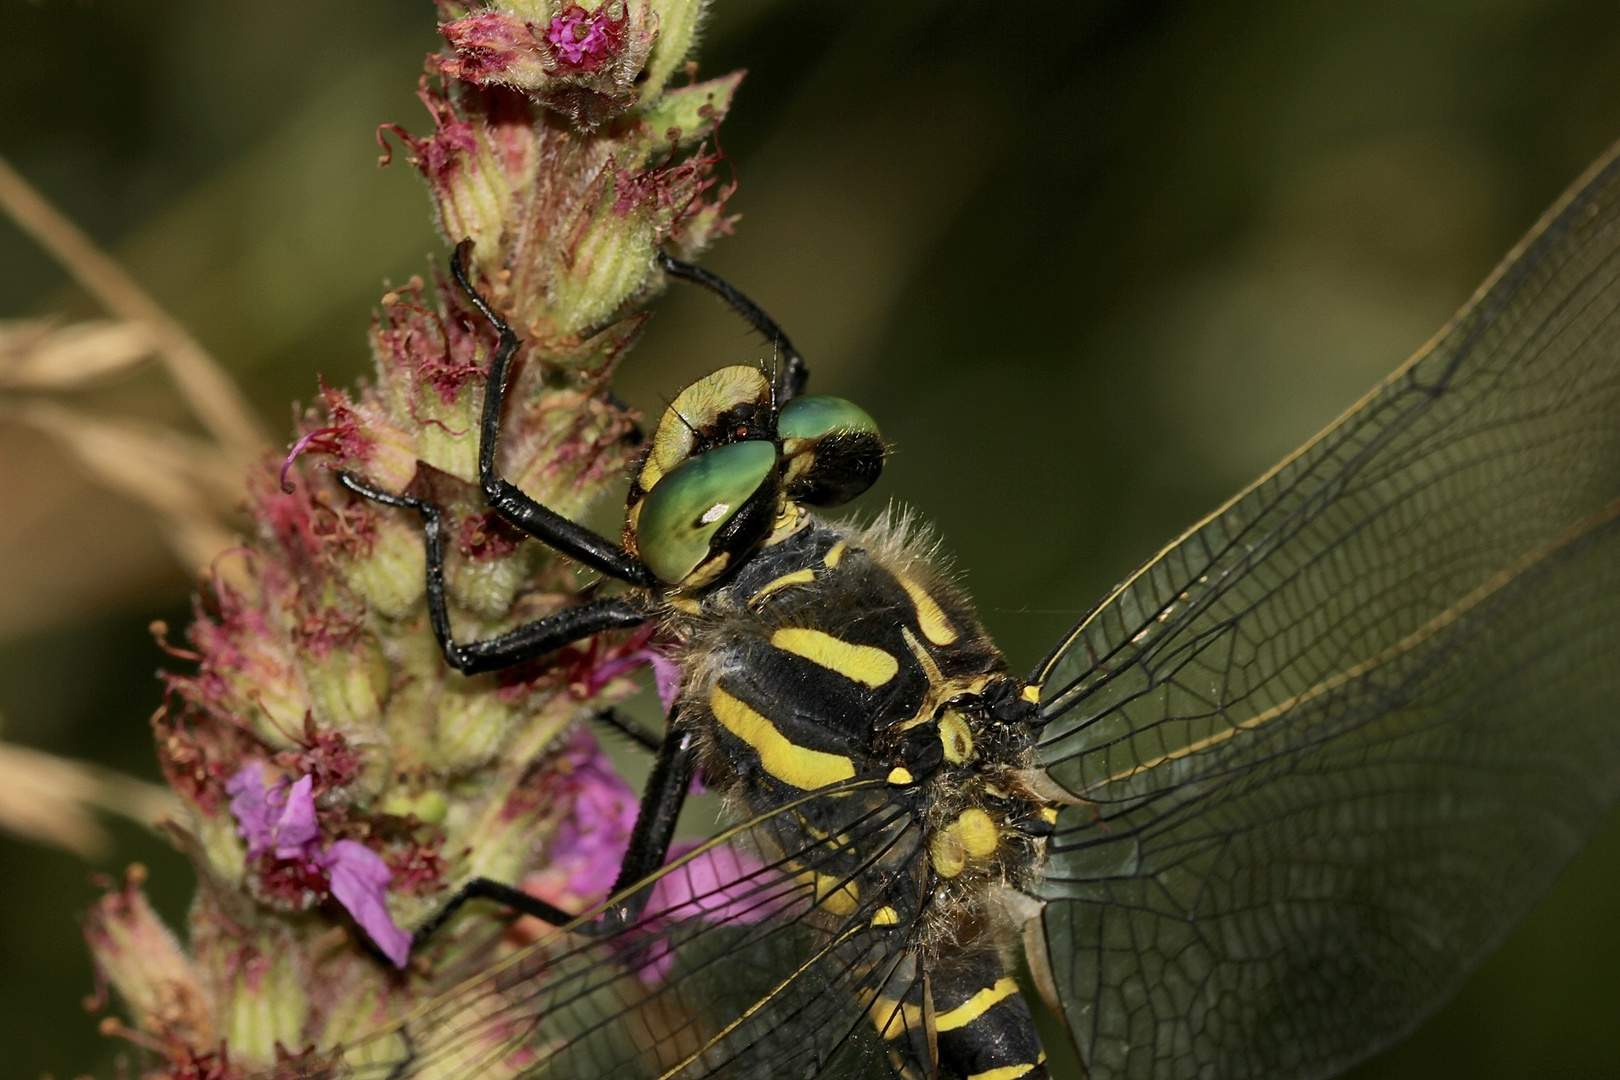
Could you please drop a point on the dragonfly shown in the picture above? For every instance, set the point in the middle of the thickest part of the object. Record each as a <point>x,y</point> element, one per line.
<point>1257,815</point>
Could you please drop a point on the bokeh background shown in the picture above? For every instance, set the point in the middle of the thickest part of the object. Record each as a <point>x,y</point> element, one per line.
<point>1092,264</point>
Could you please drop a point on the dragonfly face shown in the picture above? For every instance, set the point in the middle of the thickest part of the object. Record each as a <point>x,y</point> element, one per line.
<point>1256,815</point>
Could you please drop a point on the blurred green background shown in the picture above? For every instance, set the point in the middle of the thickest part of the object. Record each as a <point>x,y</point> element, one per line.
<point>1091,264</point>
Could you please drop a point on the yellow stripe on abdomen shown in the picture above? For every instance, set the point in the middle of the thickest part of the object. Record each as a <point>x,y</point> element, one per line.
<point>1006,1072</point>
<point>976,1006</point>
<point>859,663</point>
<point>789,762</point>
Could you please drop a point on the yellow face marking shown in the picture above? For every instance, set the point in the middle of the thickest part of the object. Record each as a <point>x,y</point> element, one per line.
<point>930,619</point>
<point>975,1007</point>
<point>698,405</point>
<point>835,553</point>
<point>1004,1072</point>
<point>686,604</point>
<point>790,763</point>
<point>859,663</point>
<point>787,521</point>
<point>899,776</point>
<point>707,571</point>
<point>1032,693</point>
<point>886,916</point>
<point>798,577</point>
<point>956,736</point>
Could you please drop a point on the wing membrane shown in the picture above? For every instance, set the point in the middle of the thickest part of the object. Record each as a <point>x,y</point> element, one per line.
<point>1333,742</point>
<point>753,959</point>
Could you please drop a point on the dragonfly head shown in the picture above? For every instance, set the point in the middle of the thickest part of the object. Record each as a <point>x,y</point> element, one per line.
<point>728,467</point>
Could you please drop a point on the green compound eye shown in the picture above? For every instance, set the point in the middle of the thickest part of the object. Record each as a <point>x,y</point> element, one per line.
<point>693,500</point>
<point>819,414</point>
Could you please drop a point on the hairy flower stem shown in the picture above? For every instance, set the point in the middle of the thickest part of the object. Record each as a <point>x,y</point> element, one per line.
<point>337,779</point>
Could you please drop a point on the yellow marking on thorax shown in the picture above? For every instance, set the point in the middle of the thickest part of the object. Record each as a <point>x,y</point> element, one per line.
<point>1005,1072</point>
<point>900,776</point>
<point>886,916</point>
<point>973,835</point>
<point>930,619</point>
<point>925,658</point>
<point>832,892</point>
<point>976,1006</point>
<point>977,832</point>
<point>946,855</point>
<point>798,577</point>
<point>1032,694</point>
<point>858,663</point>
<point>789,762</point>
<point>938,688</point>
<point>835,553</point>
<point>956,737</point>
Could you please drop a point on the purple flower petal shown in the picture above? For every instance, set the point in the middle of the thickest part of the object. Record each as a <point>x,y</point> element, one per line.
<point>720,885</point>
<point>360,883</point>
<point>590,844</point>
<point>573,46</point>
<point>296,829</point>
<point>666,677</point>
<point>251,808</point>
<point>666,673</point>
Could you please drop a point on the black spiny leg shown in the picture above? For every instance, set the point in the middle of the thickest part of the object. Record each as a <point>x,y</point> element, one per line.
<point>507,499</point>
<point>513,647</point>
<point>627,727</point>
<point>794,374</point>
<point>661,802</point>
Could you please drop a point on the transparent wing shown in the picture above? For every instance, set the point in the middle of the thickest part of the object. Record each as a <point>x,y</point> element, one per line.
<point>1331,744</point>
<point>757,957</point>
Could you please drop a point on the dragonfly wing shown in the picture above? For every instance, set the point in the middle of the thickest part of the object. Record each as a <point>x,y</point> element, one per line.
<point>1331,744</point>
<point>755,959</point>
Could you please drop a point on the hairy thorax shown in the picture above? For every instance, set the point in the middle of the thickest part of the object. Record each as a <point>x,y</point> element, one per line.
<point>840,657</point>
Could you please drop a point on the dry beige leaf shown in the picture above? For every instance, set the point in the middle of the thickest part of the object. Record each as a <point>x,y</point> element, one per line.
<point>35,354</point>
<point>48,799</point>
<point>186,482</point>
<point>212,395</point>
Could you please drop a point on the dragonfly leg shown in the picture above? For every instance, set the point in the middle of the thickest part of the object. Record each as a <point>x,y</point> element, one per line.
<point>794,373</point>
<point>523,643</point>
<point>661,802</point>
<point>627,727</point>
<point>507,499</point>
